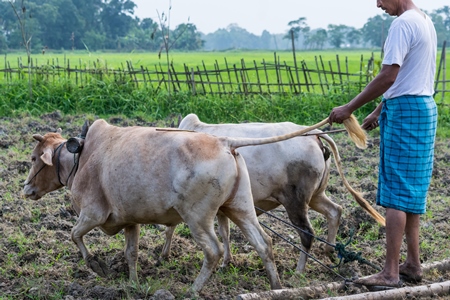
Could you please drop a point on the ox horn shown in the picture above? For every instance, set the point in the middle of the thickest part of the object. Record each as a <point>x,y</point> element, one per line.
<point>84,130</point>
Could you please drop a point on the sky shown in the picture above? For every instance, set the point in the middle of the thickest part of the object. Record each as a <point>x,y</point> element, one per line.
<point>271,15</point>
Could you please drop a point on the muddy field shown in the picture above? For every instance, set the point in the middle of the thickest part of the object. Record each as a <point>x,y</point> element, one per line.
<point>38,260</point>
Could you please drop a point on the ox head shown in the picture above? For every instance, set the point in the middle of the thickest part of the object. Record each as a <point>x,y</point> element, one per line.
<point>42,177</point>
<point>48,162</point>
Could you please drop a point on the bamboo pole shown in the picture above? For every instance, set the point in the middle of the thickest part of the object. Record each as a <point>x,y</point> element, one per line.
<point>201,80</point>
<point>267,76</point>
<point>295,60</point>
<point>332,75</point>
<point>189,77</point>
<point>244,77</point>
<point>339,68</point>
<point>316,292</point>
<point>258,81</point>
<point>419,292</point>
<point>277,70</point>
<point>305,75</point>
<point>176,81</point>
<point>218,77</point>
<point>360,72</point>
<point>229,74</point>
<point>236,74</point>
<point>444,70</point>
<point>193,81</point>
<point>324,72</point>
<point>143,75</point>
<point>207,77</point>
<point>320,77</point>
<point>166,83</point>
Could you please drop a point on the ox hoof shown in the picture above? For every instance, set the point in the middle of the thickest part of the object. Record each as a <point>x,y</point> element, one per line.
<point>226,264</point>
<point>98,266</point>
<point>191,294</point>
<point>161,260</point>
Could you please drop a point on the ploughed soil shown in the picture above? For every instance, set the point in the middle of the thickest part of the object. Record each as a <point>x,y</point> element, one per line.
<point>38,260</point>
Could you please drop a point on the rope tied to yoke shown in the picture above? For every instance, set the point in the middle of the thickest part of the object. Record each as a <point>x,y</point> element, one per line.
<point>344,255</point>
<point>349,256</point>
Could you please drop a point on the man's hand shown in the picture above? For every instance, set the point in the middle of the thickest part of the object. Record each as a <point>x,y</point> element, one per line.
<point>339,114</point>
<point>370,122</point>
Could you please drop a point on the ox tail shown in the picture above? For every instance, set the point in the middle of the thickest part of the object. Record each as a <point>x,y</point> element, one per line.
<point>357,195</point>
<point>242,142</point>
<point>356,133</point>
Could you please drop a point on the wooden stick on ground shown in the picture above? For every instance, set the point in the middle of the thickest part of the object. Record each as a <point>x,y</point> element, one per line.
<point>315,292</point>
<point>419,292</point>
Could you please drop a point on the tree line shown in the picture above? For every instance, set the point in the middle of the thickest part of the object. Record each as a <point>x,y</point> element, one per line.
<point>111,25</point>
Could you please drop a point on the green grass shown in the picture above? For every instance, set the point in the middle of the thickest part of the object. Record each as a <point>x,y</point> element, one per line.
<point>179,59</point>
<point>109,97</point>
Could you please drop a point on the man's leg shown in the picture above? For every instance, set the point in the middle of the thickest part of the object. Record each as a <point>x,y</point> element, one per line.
<point>395,227</point>
<point>412,268</point>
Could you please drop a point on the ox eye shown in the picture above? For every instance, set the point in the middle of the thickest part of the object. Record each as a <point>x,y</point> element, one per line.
<point>33,158</point>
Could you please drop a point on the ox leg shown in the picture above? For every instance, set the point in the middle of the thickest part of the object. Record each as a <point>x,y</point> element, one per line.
<point>241,211</point>
<point>168,243</point>
<point>203,232</point>
<point>298,214</point>
<point>131,249</point>
<point>332,211</point>
<point>248,223</point>
<point>224,232</point>
<point>83,225</point>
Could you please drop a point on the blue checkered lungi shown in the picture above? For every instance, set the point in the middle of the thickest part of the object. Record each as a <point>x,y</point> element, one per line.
<point>407,134</point>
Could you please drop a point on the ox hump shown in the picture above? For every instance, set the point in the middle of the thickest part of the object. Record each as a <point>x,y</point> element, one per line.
<point>190,121</point>
<point>200,146</point>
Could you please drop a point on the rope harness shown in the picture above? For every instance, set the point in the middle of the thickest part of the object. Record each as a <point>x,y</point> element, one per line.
<point>344,255</point>
<point>58,166</point>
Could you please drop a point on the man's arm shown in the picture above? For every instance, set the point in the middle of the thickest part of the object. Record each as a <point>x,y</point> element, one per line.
<point>380,84</point>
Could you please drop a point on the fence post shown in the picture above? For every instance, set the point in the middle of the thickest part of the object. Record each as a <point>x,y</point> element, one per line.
<point>193,81</point>
<point>295,59</point>
<point>442,65</point>
<point>444,69</point>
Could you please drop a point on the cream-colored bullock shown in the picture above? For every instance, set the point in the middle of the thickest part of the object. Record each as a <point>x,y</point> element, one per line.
<point>293,173</point>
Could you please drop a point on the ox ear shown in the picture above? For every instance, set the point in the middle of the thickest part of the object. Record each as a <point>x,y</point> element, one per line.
<point>38,137</point>
<point>47,156</point>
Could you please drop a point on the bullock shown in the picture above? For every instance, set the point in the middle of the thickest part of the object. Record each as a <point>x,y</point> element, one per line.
<point>293,173</point>
<point>123,177</point>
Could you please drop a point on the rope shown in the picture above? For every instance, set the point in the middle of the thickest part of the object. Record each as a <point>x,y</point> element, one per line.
<point>309,255</point>
<point>349,256</point>
<point>343,255</point>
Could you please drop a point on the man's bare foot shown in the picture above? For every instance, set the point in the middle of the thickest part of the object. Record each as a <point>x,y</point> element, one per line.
<point>379,280</point>
<point>410,273</point>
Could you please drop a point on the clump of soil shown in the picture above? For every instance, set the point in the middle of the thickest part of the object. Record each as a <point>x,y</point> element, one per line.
<point>38,260</point>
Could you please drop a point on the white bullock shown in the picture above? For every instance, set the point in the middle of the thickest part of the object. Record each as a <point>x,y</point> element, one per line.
<point>293,173</point>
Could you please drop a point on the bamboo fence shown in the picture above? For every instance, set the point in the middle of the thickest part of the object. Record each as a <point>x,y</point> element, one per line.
<point>247,78</point>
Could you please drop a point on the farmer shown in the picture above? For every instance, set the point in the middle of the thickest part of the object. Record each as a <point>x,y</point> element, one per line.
<point>407,117</point>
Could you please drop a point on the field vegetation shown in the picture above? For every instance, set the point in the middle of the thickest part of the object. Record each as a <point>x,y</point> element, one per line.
<point>105,96</point>
<point>192,59</point>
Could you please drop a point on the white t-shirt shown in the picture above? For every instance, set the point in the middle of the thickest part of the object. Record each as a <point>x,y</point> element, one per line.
<point>412,44</point>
